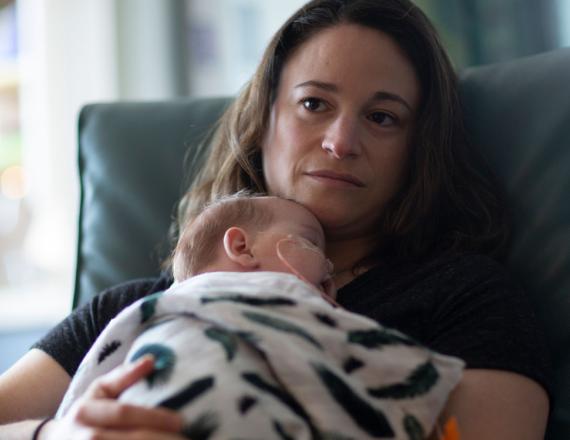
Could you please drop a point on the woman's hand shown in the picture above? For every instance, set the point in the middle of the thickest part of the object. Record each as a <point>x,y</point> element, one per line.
<point>99,415</point>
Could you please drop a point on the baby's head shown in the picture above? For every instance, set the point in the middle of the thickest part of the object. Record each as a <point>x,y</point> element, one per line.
<point>244,233</point>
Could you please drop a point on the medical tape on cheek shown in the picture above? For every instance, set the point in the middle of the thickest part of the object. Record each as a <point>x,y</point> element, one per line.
<point>329,293</point>
<point>301,244</point>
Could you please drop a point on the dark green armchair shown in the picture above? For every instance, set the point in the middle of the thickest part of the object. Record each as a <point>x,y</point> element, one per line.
<point>132,158</point>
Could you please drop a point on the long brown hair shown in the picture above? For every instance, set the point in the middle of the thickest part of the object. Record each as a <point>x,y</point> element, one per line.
<point>448,202</point>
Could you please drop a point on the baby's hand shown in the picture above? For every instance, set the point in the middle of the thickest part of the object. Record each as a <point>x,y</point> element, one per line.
<point>97,414</point>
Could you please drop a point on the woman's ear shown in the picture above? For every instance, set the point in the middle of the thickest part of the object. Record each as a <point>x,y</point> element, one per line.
<point>237,245</point>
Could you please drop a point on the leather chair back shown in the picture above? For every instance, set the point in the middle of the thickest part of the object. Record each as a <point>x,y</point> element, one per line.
<point>518,115</point>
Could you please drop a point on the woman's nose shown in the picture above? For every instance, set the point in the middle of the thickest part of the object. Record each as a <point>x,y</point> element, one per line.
<point>341,139</point>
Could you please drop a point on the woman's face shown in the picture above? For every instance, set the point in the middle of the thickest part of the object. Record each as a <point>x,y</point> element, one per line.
<point>339,130</point>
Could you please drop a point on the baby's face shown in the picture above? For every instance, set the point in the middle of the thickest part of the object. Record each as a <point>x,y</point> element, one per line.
<point>294,243</point>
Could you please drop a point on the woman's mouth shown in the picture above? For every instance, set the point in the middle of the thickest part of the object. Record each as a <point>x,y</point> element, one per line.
<point>333,177</point>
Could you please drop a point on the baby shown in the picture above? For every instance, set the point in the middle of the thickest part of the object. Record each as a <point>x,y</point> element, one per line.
<point>246,234</point>
<point>248,342</point>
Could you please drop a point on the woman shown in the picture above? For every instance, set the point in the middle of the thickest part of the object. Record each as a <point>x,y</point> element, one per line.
<point>354,113</point>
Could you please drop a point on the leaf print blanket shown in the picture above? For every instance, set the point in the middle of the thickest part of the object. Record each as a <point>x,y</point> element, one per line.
<point>262,356</point>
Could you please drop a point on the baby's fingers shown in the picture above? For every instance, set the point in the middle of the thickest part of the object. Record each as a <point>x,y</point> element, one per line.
<point>112,384</point>
<point>113,415</point>
<point>137,435</point>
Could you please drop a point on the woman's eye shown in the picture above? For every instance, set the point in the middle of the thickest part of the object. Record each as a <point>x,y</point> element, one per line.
<point>312,104</point>
<point>382,118</point>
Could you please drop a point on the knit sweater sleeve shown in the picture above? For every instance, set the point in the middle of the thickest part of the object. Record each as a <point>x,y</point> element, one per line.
<point>69,341</point>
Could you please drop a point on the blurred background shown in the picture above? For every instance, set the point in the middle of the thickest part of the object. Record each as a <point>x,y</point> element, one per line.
<point>57,55</point>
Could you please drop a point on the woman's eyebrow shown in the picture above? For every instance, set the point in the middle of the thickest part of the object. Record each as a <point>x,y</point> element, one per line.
<point>329,87</point>
<point>378,96</point>
<point>387,96</point>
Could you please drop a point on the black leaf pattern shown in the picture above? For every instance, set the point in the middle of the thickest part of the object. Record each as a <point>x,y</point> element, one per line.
<point>325,319</point>
<point>252,301</point>
<point>281,431</point>
<point>245,403</point>
<point>108,350</point>
<point>378,338</point>
<point>281,325</point>
<point>419,382</point>
<point>368,418</point>
<point>413,428</point>
<point>194,390</point>
<point>282,395</point>
<point>352,364</point>
<point>330,435</point>
<point>203,427</point>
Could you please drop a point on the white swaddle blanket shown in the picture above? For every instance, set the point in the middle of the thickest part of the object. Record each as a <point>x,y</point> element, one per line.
<point>262,356</point>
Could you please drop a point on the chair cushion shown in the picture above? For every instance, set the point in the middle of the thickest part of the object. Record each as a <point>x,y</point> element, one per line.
<point>518,115</point>
<point>131,166</point>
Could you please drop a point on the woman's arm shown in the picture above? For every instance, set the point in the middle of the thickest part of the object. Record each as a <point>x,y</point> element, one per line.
<point>34,387</point>
<point>498,405</point>
<point>31,389</point>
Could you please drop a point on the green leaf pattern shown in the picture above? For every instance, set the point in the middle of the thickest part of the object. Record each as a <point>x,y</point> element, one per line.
<point>225,338</point>
<point>413,428</point>
<point>148,306</point>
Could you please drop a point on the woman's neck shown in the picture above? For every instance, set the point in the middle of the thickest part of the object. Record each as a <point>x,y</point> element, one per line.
<point>344,255</point>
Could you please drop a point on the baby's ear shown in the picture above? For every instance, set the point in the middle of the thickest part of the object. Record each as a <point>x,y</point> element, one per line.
<point>237,245</point>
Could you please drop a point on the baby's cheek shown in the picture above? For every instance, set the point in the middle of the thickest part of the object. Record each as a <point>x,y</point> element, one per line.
<point>316,269</point>
<point>303,260</point>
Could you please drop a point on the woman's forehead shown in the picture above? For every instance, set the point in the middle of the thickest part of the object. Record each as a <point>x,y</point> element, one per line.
<point>353,58</point>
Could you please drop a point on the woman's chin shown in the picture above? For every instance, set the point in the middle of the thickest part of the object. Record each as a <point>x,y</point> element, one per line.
<point>337,215</point>
<point>338,220</point>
